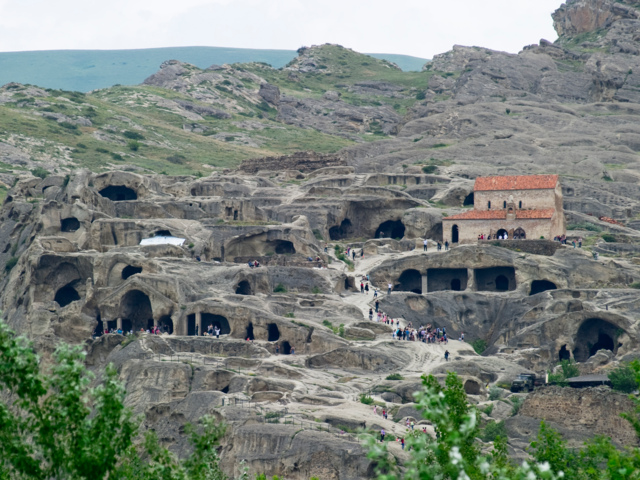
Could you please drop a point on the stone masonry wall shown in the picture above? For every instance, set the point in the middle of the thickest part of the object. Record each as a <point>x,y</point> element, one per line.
<point>302,161</point>
<point>596,409</point>
<point>468,230</point>
<point>531,199</point>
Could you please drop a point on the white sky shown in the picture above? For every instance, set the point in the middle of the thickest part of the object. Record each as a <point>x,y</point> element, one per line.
<point>421,28</point>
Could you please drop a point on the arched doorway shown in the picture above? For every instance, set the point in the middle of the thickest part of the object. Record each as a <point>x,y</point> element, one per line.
<point>66,295</point>
<point>283,247</point>
<point>217,321</point>
<point>519,234</point>
<point>468,200</point>
<point>286,348</point>
<point>410,281</point>
<point>119,193</point>
<point>390,229</point>
<point>344,230</point>
<point>595,334</point>
<point>455,285</point>
<point>243,288</point>
<point>166,324</point>
<point>455,234</point>
<point>564,354</point>
<point>70,224</point>
<point>502,283</point>
<point>501,233</point>
<point>249,332</point>
<point>191,324</point>
<point>130,270</point>
<point>539,286</point>
<point>136,311</point>
<point>273,334</point>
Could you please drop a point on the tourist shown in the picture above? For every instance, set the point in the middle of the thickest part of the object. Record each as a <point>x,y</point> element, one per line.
<point>446,355</point>
<point>389,286</point>
<point>371,314</point>
<point>375,409</point>
<point>375,292</point>
<point>293,350</point>
<point>439,246</point>
<point>353,254</point>
<point>217,330</point>
<point>424,245</point>
<point>384,414</point>
<point>366,288</point>
<point>462,336</point>
<point>377,304</point>
<point>361,287</point>
<point>446,245</point>
<point>579,242</point>
<point>382,435</point>
<point>277,349</point>
<point>573,242</point>
<point>412,424</point>
<point>402,442</point>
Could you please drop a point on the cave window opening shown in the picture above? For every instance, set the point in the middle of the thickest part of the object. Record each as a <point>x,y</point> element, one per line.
<point>284,247</point>
<point>520,204</point>
<point>235,214</point>
<point>225,389</point>
<point>135,309</point>
<point>410,281</point>
<point>243,288</point>
<point>455,234</point>
<point>119,193</point>
<point>249,333</point>
<point>468,200</point>
<point>443,279</point>
<point>66,295</point>
<point>390,229</point>
<point>564,354</point>
<point>502,283</point>
<point>166,324</point>
<point>342,231</point>
<point>539,286</point>
<point>349,283</point>
<point>130,270</point>
<point>217,321</point>
<point>489,205</point>
<point>286,348</point>
<point>273,333</point>
<point>504,204</point>
<point>70,224</point>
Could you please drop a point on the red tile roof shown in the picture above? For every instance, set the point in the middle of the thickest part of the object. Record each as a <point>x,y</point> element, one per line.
<point>502,214</point>
<point>517,182</point>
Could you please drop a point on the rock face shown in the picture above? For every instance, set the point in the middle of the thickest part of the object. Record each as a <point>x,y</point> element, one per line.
<point>580,16</point>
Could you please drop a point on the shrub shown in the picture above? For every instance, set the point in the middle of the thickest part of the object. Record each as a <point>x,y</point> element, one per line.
<point>568,369</point>
<point>479,345</point>
<point>316,290</point>
<point>317,234</point>
<point>494,430</point>
<point>176,159</point>
<point>133,145</point>
<point>488,409</point>
<point>607,237</point>
<point>635,285</point>
<point>516,402</point>
<point>116,156</point>
<point>495,392</point>
<point>101,150</point>
<point>421,95</point>
<point>133,135</point>
<point>81,145</point>
<point>40,172</point>
<point>429,169</point>
<point>290,315</point>
<point>584,226</point>
<point>10,264</point>
<point>623,379</point>
<point>395,376</point>
<point>68,126</point>
<point>366,399</point>
<point>280,289</point>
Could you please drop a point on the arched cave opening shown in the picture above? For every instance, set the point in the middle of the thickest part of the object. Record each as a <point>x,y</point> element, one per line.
<point>502,283</point>
<point>66,295</point>
<point>249,332</point>
<point>468,200</point>
<point>70,224</point>
<point>440,279</point>
<point>501,233</point>
<point>539,286</point>
<point>273,333</point>
<point>410,281</point>
<point>595,334</point>
<point>130,270</point>
<point>283,247</point>
<point>564,354</point>
<point>349,283</point>
<point>99,330</point>
<point>390,229</point>
<point>471,387</point>
<point>339,232</point>
<point>286,348</point>
<point>225,389</point>
<point>119,193</point>
<point>217,321</point>
<point>166,324</point>
<point>162,233</point>
<point>136,311</point>
<point>243,288</point>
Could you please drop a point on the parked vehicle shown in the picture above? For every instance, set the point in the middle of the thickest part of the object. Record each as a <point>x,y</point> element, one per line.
<point>524,382</point>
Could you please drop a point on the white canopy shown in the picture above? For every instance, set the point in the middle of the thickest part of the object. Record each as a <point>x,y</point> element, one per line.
<point>161,240</point>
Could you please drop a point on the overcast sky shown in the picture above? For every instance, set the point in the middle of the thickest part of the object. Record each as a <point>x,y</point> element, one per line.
<point>421,28</point>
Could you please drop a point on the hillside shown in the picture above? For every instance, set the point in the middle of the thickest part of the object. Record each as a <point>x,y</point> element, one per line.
<point>85,70</point>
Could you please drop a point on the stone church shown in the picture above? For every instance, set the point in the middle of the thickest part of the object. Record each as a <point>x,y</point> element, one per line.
<point>522,206</point>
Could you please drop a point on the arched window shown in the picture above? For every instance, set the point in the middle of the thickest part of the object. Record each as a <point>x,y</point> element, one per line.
<point>489,205</point>
<point>520,204</point>
<point>504,204</point>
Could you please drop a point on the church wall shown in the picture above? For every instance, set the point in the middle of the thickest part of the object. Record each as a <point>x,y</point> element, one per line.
<point>468,230</point>
<point>531,199</point>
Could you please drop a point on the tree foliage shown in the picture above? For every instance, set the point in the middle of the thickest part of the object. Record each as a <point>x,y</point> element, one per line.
<point>568,369</point>
<point>623,378</point>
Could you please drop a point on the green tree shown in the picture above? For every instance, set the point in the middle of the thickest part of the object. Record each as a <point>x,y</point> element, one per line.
<point>568,369</point>
<point>623,378</point>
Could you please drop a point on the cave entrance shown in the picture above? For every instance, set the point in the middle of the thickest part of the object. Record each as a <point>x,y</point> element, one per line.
<point>564,354</point>
<point>410,281</point>
<point>70,224</point>
<point>283,247</point>
<point>243,288</point>
<point>439,279</point>
<point>135,309</point>
<point>519,234</point>
<point>501,233</point>
<point>390,229</point>
<point>286,348</point>
<point>162,233</point>
<point>166,324</point>
<point>455,234</point>
<point>130,270</point>
<point>99,330</point>
<point>249,333</point>
<point>349,283</point>
<point>112,325</point>
<point>273,332</point>
<point>217,321</point>
<point>595,334</point>
<point>539,286</point>
<point>66,295</point>
<point>191,324</point>
<point>468,200</point>
<point>344,230</point>
<point>495,279</point>
<point>119,193</point>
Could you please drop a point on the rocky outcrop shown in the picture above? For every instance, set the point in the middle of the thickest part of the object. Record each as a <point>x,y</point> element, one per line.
<point>579,16</point>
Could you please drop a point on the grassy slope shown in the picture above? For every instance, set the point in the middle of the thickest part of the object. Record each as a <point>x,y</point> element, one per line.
<point>85,70</point>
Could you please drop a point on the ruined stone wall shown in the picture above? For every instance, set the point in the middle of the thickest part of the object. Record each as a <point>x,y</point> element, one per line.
<point>531,199</point>
<point>468,230</point>
<point>597,409</point>
<point>302,161</point>
<point>536,247</point>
